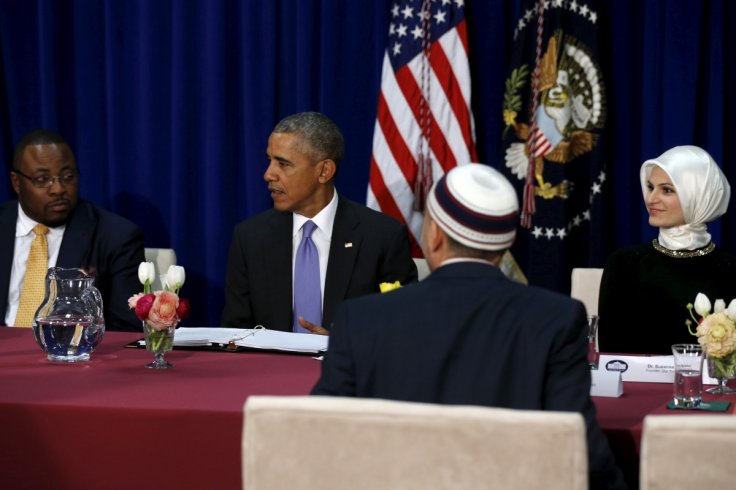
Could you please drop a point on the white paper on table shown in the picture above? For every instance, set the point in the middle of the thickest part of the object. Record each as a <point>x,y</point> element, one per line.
<point>256,338</point>
<point>207,335</point>
<point>707,380</point>
<point>286,341</point>
<point>184,338</point>
<point>193,336</point>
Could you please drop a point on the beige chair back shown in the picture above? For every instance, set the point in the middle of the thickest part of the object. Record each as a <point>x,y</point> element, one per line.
<point>336,443</point>
<point>585,286</point>
<point>162,258</point>
<point>682,452</point>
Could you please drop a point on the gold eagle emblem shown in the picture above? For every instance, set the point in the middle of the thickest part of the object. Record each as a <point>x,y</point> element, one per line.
<point>571,107</point>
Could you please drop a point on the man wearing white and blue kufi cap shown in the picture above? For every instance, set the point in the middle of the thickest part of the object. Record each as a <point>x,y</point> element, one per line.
<point>467,334</point>
<point>477,210</point>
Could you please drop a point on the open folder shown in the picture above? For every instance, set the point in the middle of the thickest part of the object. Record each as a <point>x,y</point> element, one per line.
<point>234,339</point>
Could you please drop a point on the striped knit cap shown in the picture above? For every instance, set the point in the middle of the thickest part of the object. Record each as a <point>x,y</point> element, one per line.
<point>475,205</point>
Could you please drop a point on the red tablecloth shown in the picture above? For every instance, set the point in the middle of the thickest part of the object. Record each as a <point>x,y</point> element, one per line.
<point>110,423</point>
<point>622,418</point>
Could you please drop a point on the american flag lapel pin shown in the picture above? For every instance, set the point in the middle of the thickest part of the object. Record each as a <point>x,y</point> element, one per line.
<point>348,244</point>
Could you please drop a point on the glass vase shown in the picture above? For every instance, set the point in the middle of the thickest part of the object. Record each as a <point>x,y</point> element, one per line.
<point>159,342</point>
<point>721,369</point>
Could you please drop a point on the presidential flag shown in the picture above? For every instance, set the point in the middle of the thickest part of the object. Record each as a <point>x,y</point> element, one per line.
<point>424,124</point>
<point>554,110</point>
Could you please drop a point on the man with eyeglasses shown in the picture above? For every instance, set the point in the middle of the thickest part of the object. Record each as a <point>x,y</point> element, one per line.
<point>78,233</point>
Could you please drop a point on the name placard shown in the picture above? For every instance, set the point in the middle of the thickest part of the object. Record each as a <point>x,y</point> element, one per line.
<point>643,369</point>
<point>606,383</point>
<point>646,369</point>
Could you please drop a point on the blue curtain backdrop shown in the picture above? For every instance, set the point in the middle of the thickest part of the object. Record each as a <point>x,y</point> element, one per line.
<point>168,104</point>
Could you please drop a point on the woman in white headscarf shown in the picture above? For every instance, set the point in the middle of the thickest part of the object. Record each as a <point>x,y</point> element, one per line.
<point>646,288</point>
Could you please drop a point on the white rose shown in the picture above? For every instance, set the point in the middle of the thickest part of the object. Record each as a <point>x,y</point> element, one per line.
<point>146,273</point>
<point>731,311</point>
<point>719,306</point>
<point>175,277</point>
<point>702,304</point>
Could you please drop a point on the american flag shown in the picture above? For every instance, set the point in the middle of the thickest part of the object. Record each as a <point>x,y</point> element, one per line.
<point>424,124</point>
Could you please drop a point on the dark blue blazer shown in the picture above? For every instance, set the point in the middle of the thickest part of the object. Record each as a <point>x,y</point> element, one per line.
<point>101,242</point>
<point>366,249</point>
<point>468,335</point>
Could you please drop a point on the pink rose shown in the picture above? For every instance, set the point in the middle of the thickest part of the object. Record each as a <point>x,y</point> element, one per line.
<point>163,312</point>
<point>134,299</point>
<point>143,305</point>
<point>183,310</point>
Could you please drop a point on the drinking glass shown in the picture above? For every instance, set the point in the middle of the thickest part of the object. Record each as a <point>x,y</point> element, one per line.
<point>593,354</point>
<point>688,386</point>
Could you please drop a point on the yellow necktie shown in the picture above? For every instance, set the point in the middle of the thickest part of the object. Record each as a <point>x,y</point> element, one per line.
<point>34,284</point>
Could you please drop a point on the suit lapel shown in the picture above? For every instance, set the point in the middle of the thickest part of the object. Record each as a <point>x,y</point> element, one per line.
<point>75,246</point>
<point>8,220</point>
<point>277,254</point>
<point>344,246</point>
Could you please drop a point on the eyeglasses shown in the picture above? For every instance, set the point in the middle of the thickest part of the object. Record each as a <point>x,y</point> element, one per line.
<point>43,181</point>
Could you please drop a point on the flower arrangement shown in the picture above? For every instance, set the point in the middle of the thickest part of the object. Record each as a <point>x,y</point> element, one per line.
<point>389,286</point>
<point>716,332</point>
<point>160,310</point>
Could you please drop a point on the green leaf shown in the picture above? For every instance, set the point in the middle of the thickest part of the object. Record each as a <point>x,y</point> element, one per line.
<point>515,82</point>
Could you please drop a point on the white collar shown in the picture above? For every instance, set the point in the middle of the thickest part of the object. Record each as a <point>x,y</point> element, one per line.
<point>324,220</point>
<point>456,260</point>
<point>24,225</point>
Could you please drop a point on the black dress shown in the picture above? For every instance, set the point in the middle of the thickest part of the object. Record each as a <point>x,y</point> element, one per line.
<point>644,296</point>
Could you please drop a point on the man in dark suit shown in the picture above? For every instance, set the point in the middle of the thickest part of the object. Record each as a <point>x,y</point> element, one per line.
<point>80,234</point>
<point>358,248</point>
<point>466,334</point>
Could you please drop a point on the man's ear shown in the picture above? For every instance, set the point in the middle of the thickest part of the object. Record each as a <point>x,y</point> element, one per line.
<point>15,181</point>
<point>436,236</point>
<point>327,170</point>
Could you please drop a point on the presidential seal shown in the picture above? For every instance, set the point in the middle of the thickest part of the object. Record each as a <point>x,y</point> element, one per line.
<point>571,112</point>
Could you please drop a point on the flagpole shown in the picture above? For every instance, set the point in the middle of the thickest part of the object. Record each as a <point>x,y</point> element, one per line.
<point>529,207</point>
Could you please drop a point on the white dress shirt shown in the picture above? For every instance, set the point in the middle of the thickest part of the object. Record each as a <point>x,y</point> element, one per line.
<point>23,238</point>
<point>321,236</point>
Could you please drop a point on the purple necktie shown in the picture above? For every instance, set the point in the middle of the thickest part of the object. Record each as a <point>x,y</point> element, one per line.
<point>307,291</point>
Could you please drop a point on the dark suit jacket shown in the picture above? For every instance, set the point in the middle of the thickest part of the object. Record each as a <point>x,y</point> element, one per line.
<point>366,249</point>
<point>468,335</point>
<point>94,239</point>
